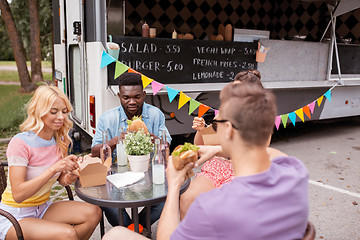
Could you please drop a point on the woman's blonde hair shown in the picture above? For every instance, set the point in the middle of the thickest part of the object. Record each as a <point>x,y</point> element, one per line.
<point>38,106</point>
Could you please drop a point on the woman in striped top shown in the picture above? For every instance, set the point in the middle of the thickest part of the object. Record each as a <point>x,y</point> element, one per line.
<point>37,157</point>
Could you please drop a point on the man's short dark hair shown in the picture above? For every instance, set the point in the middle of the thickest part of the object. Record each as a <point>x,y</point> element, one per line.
<point>251,108</point>
<point>129,79</point>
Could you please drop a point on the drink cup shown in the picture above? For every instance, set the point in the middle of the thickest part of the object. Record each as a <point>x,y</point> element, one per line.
<point>113,49</point>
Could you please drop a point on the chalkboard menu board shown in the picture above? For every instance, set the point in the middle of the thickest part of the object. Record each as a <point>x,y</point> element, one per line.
<point>180,61</point>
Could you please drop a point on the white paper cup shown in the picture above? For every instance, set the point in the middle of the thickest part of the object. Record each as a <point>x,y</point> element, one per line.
<point>113,49</point>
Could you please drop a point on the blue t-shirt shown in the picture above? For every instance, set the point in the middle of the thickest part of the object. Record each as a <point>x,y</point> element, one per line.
<point>113,119</point>
<point>272,205</point>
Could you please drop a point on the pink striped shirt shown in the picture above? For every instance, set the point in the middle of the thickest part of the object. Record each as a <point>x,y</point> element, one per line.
<point>29,150</point>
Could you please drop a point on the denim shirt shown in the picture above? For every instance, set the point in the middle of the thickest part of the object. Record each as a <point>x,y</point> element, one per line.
<point>114,119</point>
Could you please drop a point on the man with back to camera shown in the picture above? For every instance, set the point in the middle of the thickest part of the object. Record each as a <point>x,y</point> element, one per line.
<point>132,96</point>
<point>267,199</point>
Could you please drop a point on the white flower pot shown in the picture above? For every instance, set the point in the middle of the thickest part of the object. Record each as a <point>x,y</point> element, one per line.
<point>139,163</point>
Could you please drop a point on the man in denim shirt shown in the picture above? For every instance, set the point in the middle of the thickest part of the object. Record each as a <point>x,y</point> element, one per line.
<point>132,96</point>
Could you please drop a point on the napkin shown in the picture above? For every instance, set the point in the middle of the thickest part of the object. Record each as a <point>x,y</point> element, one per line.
<point>127,178</point>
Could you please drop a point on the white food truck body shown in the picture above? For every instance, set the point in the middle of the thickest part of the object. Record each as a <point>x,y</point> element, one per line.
<point>298,72</point>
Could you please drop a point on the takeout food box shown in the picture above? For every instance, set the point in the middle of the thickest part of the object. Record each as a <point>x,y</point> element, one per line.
<point>92,171</point>
<point>209,136</point>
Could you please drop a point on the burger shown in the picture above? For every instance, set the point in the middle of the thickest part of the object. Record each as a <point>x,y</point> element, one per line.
<point>184,154</point>
<point>136,124</point>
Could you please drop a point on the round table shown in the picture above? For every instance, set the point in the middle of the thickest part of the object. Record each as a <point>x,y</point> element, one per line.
<point>143,193</point>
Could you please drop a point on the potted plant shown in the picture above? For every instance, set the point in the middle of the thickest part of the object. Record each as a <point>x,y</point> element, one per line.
<point>138,147</point>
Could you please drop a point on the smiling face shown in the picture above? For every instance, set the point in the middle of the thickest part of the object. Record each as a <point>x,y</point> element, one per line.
<point>132,99</point>
<point>54,119</point>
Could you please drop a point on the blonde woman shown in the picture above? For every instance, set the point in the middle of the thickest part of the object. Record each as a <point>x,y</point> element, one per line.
<point>37,157</point>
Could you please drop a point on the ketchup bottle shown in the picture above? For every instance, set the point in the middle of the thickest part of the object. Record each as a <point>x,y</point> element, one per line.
<point>145,30</point>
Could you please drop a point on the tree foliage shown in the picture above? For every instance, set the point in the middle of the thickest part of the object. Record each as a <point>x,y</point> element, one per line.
<point>19,9</point>
<point>5,45</point>
<point>17,47</point>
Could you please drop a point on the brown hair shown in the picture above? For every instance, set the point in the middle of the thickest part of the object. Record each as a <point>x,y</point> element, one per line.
<point>251,109</point>
<point>252,76</point>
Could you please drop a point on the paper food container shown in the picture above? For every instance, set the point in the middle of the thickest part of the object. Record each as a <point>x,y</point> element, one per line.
<point>93,172</point>
<point>209,136</point>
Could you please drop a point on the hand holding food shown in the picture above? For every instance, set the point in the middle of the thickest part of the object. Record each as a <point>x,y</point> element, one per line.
<point>66,164</point>
<point>198,124</point>
<point>175,178</point>
<point>184,154</point>
<point>136,124</point>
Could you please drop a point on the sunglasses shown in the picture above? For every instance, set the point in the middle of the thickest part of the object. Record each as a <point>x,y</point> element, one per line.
<point>215,123</point>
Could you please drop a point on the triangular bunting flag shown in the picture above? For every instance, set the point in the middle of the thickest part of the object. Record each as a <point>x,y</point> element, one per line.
<point>312,106</point>
<point>120,68</point>
<point>306,110</point>
<point>106,59</point>
<point>292,117</point>
<point>284,119</point>
<point>183,99</point>
<point>216,112</point>
<point>156,86</point>
<point>328,95</point>
<point>277,122</point>
<point>172,93</point>
<point>145,81</point>
<point>193,105</point>
<point>319,100</point>
<point>300,114</point>
<point>202,110</point>
<point>130,70</point>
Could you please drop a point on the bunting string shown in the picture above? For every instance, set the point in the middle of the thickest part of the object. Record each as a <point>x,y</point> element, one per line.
<point>156,86</point>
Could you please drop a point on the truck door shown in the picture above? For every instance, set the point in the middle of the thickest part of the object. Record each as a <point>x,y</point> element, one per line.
<point>76,59</point>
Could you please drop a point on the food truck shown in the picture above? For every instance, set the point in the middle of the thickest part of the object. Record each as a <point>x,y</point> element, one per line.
<point>308,55</point>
